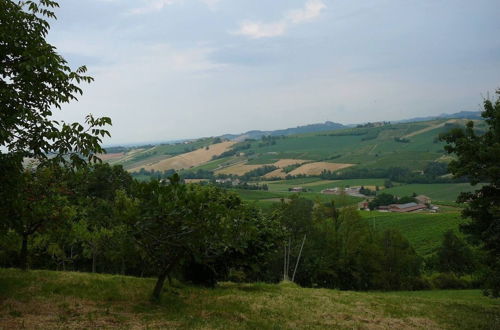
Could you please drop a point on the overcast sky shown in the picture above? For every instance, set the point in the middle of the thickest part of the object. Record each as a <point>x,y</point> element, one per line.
<point>173,69</point>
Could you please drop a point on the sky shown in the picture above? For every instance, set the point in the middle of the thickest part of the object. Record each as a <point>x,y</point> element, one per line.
<point>177,69</point>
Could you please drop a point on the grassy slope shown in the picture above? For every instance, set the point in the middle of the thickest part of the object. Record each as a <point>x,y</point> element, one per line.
<point>79,300</point>
<point>378,152</point>
<point>423,230</point>
<point>375,149</point>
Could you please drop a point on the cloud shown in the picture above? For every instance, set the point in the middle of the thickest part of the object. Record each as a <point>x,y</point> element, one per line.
<point>311,10</point>
<point>211,3</point>
<point>152,6</point>
<point>157,5</point>
<point>256,30</point>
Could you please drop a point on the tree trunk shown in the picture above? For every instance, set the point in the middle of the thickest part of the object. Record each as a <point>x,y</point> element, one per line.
<point>93,262</point>
<point>159,285</point>
<point>123,266</point>
<point>24,253</point>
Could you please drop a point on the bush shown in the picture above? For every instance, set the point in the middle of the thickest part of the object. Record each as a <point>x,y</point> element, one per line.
<point>416,283</point>
<point>449,281</point>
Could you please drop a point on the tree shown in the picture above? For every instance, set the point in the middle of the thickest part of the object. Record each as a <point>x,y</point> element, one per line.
<point>177,223</point>
<point>382,199</point>
<point>478,159</point>
<point>34,80</point>
<point>39,199</point>
<point>454,256</point>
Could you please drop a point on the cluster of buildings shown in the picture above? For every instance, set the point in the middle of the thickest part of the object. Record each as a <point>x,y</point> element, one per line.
<point>422,203</point>
<point>228,181</point>
<point>351,191</point>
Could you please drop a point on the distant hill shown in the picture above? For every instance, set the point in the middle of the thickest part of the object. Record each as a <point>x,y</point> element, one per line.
<point>457,115</point>
<point>257,134</point>
<point>307,149</point>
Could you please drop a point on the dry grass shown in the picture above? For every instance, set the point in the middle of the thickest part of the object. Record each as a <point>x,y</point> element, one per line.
<point>277,173</point>
<point>287,162</point>
<point>188,160</point>
<point>107,157</point>
<point>238,169</point>
<point>430,128</point>
<point>56,300</point>
<point>317,167</point>
<point>242,168</point>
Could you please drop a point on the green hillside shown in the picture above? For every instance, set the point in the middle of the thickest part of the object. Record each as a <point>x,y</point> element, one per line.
<point>447,192</point>
<point>50,300</point>
<point>423,230</point>
<point>410,145</point>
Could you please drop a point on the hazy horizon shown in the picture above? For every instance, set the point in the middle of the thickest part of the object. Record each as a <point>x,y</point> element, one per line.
<point>179,69</point>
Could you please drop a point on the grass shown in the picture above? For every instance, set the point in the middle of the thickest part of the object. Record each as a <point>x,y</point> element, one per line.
<point>423,230</point>
<point>270,196</point>
<point>446,192</point>
<point>316,185</point>
<point>79,300</point>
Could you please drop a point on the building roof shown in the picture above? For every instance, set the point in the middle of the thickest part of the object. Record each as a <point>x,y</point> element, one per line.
<point>403,206</point>
<point>408,207</point>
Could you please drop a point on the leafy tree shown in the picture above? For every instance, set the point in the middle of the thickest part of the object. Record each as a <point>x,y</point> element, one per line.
<point>39,199</point>
<point>382,199</point>
<point>454,256</point>
<point>35,80</point>
<point>179,223</point>
<point>478,158</point>
<point>435,169</point>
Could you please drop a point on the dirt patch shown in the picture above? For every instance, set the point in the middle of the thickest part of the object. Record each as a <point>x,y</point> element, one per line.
<point>188,160</point>
<point>318,167</point>
<point>430,128</point>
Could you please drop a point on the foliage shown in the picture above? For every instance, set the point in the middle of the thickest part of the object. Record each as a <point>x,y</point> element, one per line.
<point>34,81</point>
<point>194,224</point>
<point>382,199</point>
<point>478,158</point>
<point>454,256</point>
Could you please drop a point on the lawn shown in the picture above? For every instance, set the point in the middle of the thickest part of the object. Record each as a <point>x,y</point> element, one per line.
<point>57,300</point>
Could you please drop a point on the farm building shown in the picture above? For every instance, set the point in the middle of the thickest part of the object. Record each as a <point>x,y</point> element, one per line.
<point>330,191</point>
<point>408,207</point>
<point>422,199</point>
<point>297,189</point>
<point>363,205</point>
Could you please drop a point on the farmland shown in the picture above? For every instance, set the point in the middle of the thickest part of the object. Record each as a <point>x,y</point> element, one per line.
<point>187,160</point>
<point>424,231</point>
<point>410,145</point>
<point>447,192</point>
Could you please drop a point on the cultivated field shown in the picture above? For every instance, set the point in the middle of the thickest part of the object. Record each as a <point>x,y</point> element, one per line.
<point>237,169</point>
<point>108,157</point>
<point>188,160</point>
<point>438,191</point>
<point>66,300</point>
<point>318,167</point>
<point>278,173</point>
<point>424,230</point>
<point>287,162</point>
